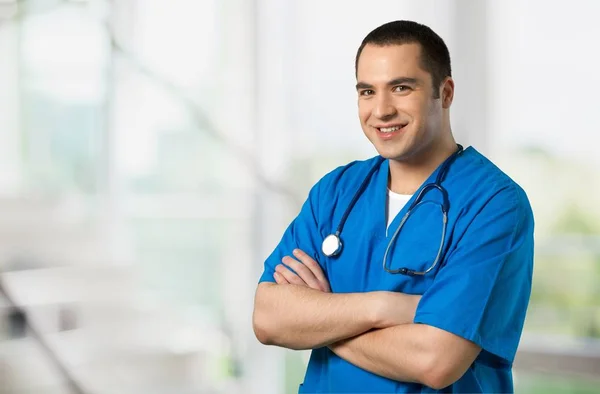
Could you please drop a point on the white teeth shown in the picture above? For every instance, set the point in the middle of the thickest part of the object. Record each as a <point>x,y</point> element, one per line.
<point>389,129</point>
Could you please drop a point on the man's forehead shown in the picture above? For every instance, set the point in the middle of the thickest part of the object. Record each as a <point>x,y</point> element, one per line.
<point>406,51</point>
<point>394,54</point>
<point>387,62</point>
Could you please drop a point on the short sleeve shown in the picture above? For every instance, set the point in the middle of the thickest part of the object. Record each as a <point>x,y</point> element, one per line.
<point>482,291</point>
<point>302,233</point>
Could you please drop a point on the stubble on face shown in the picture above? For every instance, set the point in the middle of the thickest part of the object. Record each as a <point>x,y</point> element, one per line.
<point>394,91</point>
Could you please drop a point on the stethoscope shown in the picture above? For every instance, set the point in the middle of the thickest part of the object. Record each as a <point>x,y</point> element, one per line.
<point>332,244</point>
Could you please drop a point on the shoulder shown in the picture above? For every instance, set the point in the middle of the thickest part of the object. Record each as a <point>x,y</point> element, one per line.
<point>346,177</point>
<point>482,185</point>
<point>486,176</point>
<point>489,210</point>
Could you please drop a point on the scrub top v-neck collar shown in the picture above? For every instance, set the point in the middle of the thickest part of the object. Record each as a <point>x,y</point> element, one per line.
<point>381,185</point>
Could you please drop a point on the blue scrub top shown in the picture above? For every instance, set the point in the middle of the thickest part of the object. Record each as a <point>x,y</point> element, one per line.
<point>479,291</point>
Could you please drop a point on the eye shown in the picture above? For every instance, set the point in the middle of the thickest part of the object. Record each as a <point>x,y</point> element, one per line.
<point>401,88</point>
<point>366,92</point>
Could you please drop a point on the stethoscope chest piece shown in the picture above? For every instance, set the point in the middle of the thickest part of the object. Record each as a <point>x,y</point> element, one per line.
<point>332,245</point>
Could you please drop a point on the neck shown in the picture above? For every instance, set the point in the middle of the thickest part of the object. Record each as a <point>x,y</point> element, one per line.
<point>406,176</point>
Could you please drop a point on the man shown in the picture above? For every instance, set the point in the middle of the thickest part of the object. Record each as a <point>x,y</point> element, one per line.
<point>423,282</point>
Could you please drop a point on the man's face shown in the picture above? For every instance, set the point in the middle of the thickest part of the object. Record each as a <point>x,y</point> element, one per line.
<point>397,111</point>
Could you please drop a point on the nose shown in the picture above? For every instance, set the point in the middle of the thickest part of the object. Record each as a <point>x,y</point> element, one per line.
<point>384,107</point>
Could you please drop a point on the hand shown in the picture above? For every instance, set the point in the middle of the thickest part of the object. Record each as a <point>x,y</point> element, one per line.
<point>308,272</point>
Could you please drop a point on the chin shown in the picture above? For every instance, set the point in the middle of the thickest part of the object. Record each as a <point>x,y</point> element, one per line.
<point>392,153</point>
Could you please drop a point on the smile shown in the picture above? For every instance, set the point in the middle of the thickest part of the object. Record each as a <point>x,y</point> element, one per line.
<point>388,131</point>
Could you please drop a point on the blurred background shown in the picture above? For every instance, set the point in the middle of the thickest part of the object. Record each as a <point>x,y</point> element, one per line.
<point>152,153</point>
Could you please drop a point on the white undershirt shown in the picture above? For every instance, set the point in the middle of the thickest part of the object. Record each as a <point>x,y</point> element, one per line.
<point>395,203</point>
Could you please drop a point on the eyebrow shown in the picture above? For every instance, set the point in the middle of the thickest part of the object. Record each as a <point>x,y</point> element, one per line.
<point>393,82</point>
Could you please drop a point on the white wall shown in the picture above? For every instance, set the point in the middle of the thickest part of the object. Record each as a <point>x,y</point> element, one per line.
<point>10,139</point>
<point>544,75</point>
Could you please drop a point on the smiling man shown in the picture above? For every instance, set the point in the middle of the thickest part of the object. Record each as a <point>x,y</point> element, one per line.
<point>409,272</point>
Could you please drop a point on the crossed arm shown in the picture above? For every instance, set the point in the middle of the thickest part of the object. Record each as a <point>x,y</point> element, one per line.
<point>373,331</point>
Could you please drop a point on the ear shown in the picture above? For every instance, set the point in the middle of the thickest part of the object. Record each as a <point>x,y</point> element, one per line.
<point>447,92</point>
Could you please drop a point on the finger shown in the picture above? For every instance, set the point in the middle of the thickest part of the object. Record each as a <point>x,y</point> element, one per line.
<point>309,262</point>
<point>279,279</point>
<point>307,274</point>
<point>288,275</point>
<point>313,266</point>
<point>303,272</point>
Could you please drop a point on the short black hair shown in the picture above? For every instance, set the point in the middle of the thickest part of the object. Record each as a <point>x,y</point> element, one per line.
<point>435,57</point>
